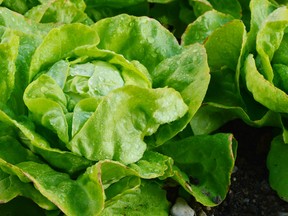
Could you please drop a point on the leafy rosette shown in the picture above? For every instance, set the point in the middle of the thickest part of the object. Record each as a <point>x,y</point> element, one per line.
<point>265,73</point>
<point>228,45</point>
<point>95,102</point>
<point>102,117</point>
<point>266,68</point>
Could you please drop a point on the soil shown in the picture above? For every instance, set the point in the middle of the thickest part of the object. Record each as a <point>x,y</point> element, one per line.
<point>250,193</point>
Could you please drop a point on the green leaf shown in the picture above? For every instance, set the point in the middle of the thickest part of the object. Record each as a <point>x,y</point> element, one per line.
<point>269,39</point>
<point>280,76</point>
<point>147,200</point>
<point>60,11</point>
<point>280,56</point>
<point>20,6</point>
<point>260,9</point>
<point>63,160</point>
<point>82,112</point>
<point>81,196</point>
<point>30,35</point>
<point>47,103</point>
<point>200,6</point>
<point>206,163</point>
<point>264,91</point>
<point>132,72</point>
<point>117,179</point>
<point>231,7</point>
<point>59,44</point>
<point>276,164</point>
<point>10,185</point>
<point>134,37</point>
<point>188,73</point>
<point>224,45</point>
<point>199,30</point>
<point>153,165</point>
<point>138,113</point>
<point>8,54</point>
<point>212,116</point>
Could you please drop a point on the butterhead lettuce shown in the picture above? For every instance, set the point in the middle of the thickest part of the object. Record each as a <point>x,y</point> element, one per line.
<point>104,109</point>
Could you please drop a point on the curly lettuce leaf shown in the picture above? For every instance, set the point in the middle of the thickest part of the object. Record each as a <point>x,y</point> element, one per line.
<point>276,164</point>
<point>47,103</point>
<point>11,186</point>
<point>30,35</point>
<point>199,30</point>
<point>63,160</point>
<point>60,11</point>
<point>153,165</point>
<point>188,73</point>
<point>146,200</point>
<point>269,38</point>
<point>8,54</point>
<point>224,87</point>
<point>20,6</point>
<point>138,113</point>
<point>137,38</point>
<point>260,9</point>
<point>232,8</point>
<point>61,190</point>
<point>59,44</point>
<point>264,91</point>
<point>204,165</point>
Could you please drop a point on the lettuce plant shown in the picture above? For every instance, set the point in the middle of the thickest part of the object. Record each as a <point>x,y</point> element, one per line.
<point>104,104</point>
<point>93,115</point>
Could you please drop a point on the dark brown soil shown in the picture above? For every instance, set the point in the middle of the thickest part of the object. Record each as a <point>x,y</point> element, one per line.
<point>250,193</point>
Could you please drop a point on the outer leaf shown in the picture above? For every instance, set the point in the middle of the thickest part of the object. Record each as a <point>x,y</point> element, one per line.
<point>212,116</point>
<point>10,185</point>
<point>224,87</point>
<point>82,196</point>
<point>277,165</point>
<point>147,200</point>
<point>117,179</point>
<point>30,36</point>
<point>8,53</point>
<point>63,160</point>
<point>207,161</point>
<point>231,7</point>
<point>224,45</point>
<point>188,73</point>
<point>260,9</point>
<point>280,77</point>
<point>204,26</point>
<point>47,102</point>
<point>135,37</point>
<point>200,6</point>
<point>280,55</point>
<point>269,38</point>
<point>138,112</point>
<point>153,165</point>
<point>264,91</point>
